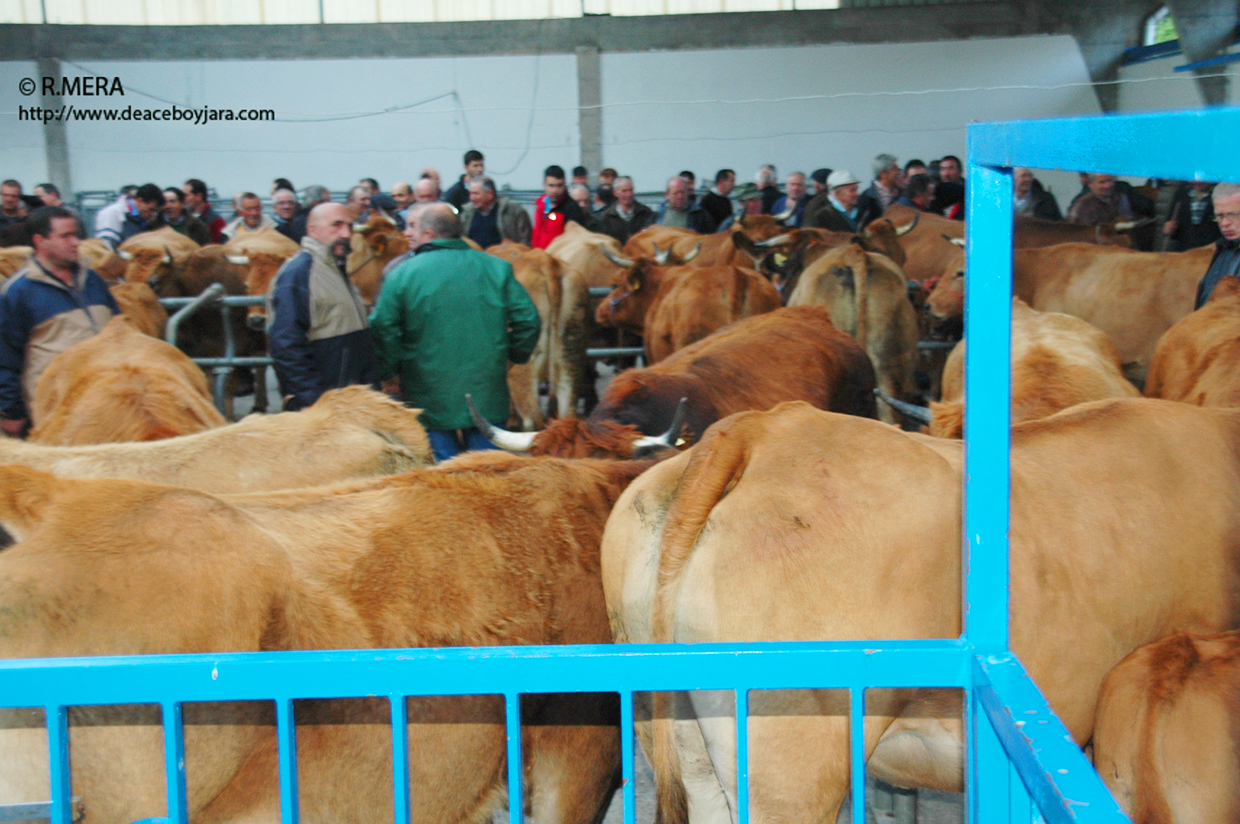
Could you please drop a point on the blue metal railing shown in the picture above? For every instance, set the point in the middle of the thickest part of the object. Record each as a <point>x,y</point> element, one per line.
<point>1019,758</point>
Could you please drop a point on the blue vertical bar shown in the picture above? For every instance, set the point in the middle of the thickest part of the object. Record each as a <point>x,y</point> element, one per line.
<point>626,756</point>
<point>512,720</point>
<point>286,738</point>
<point>742,755</point>
<point>174,761</point>
<point>991,770</point>
<point>988,321</point>
<point>400,759</point>
<point>856,749</point>
<point>57,719</point>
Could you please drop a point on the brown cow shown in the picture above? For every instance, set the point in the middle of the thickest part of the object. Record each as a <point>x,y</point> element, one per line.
<point>874,309</point>
<point>755,363</point>
<point>1198,359</point>
<point>352,432</point>
<point>798,524</point>
<point>374,244</point>
<point>490,549</point>
<point>718,249</point>
<point>97,255</point>
<point>1057,361</point>
<point>151,256</point>
<point>120,385</point>
<point>801,247</point>
<point>138,302</point>
<point>673,306</point>
<point>262,253</point>
<point>1165,741</point>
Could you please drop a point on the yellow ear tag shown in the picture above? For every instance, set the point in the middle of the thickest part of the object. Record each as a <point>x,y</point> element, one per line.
<point>636,286</point>
<point>780,258</point>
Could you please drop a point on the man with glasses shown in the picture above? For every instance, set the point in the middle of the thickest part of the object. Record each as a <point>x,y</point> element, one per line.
<point>1226,260</point>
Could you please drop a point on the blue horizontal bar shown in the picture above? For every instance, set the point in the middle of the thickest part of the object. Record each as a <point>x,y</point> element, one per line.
<point>1205,64</point>
<point>1060,779</point>
<point>479,671</point>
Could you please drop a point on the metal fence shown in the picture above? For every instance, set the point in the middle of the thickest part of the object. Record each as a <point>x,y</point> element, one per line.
<point>1020,761</point>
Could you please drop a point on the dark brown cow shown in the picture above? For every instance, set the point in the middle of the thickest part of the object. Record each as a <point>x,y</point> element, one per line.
<point>788,354</point>
<point>151,256</point>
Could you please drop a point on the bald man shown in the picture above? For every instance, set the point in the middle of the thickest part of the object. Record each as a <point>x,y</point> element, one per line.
<point>316,321</point>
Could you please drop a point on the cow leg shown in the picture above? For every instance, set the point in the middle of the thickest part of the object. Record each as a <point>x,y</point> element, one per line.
<point>890,387</point>
<point>924,746</point>
<point>716,717</point>
<point>573,758</point>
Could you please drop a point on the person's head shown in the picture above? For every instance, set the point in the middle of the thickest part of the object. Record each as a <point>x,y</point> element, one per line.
<point>749,196</point>
<point>1102,185</point>
<point>402,193</point>
<point>359,200</point>
<point>844,187</point>
<point>725,181</point>
<point>914,168</point>
<point>332,225</point>
<point>482,193</point>
<point>148,200</point>
<point>766,176</point>
<point>281,183</point>
<point>623,190</point>
<point>794,186</point>
<point>430,173</point>
<point>315,195</point>
<point>950,169</point>
<point>371,185</point>
<point>553,183</point>
<point>1022,180</point>
<point>920,190</point>
<point>430,222</point>
<point>608,176</point>
<point>819,178</point>
<point>886,169</point>
<point>10,196</point>
<point>474,163</point>
<point>604,196</point>
<point>1227,209</point>
<point>174,204</point>
<point>48,193</point>
<point>677,194</point>
<point>250,209</point>
<point>195,195</point>
<point>581,175</point>
<point>53,233</point>
<point>284,204</point>
<point>690,178</point>
<point>580,193</point>
<point>426,191</point>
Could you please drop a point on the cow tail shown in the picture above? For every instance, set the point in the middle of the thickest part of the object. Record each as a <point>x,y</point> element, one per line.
<point>859,263</point>
<point>24,496</point>
<point>716,463</point>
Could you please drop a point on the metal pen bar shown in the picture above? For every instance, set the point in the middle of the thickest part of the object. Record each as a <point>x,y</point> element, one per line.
<point>174,759</point>
<point>286,740</point>
<point>57,717</point>
<point>616,352</point>
<point>626,757</point>
<point>400,758</point>
<point>742,755</point>
<point>856,751</point>
<point>512,722</point>
<point>226,300</point>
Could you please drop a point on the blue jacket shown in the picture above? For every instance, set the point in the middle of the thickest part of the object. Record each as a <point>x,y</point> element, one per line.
<point>316,328</point>
<point>40,317</point>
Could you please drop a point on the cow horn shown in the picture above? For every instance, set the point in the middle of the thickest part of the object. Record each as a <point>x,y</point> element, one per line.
<point>780,240</point>
<point>786,213</point>
<point>359,227</point>
<point>619,261</point>
<point>1125,225</point>
<point>124,254</point>
<point>917,413</point>
<point>240,260</point>
<point>692,254</point>
<point>167,258</point>
<point>512,441</point>
<point>672,435</point>
<point>958,241</point>
<point>660,255</point>
<point>904,230</point>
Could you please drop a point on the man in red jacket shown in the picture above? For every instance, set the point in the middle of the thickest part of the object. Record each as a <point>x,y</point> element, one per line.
<point>554,209</point>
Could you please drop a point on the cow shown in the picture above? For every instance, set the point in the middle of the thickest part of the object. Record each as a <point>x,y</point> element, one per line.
<point>718,249</point>
<point>138,302</point>
<point>755,363</point>
<point>13,258</point>
<point>1131,296</point>
<point>97,255</point>
<point>490,549</point>
<point>1057,361</point>
<point>374,244</point>
<point>673,306</point>
<point>801,247</point>
<point>1197,359</point>
<point>352,432</point>
<point>262,253</point>
<point>874,309</point>
<point>539,273</point>
<point>120,385</point>
<point>151,256</point>
<point>1165,738</point>
<point>1125,525</point>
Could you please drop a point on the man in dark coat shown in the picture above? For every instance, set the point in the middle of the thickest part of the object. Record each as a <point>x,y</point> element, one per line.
<point>836,208</point>
<point>1226,260</point>
<point>626,217</point>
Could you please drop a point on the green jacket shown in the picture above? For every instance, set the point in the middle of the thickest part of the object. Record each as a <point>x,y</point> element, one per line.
<point>447,321</point>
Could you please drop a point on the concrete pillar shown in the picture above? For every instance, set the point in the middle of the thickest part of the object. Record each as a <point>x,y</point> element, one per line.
<point>55,135</point>
<point>590,116</point>
<point>1205,30</point>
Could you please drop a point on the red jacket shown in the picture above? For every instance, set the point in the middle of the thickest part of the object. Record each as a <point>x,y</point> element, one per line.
<point>549,221</point>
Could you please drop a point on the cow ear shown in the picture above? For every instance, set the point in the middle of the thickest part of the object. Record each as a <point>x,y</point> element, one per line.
<point>855,257</point>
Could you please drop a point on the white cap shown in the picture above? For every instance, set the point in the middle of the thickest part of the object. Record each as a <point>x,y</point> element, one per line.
<point>841,177</point>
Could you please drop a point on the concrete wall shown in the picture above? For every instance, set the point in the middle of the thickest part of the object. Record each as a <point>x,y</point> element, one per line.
<point>1155,86</point>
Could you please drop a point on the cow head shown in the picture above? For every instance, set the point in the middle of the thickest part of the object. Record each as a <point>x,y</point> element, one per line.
<point>147,265</point>
<point>946,299</point>
<point>260,269</point>
<point>635,288</point>
<point>375,243</point>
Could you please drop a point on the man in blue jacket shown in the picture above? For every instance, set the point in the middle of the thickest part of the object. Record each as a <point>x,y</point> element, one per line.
<point>316,321</point>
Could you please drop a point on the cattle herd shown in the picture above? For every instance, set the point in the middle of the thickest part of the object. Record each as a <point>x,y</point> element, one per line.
<point>744,486</point>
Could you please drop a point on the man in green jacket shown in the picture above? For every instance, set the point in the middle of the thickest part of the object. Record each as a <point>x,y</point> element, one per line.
<point>447,322</point>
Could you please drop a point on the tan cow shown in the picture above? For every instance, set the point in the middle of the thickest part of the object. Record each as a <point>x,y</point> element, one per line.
<point>352,432</point>
<point>262,253</point>
<point>1057,361</point>
<point>718,249</point>
<point>97,255</point>
<point>490,549</point>
<point>1125,525</point>
<point>874,309</point>
<point>374,244</point>
<point>1165,741</point>
<point>138,302</point>
<point>13,258</point>
<point>1197,360</point>
<point>151,256</point>
<point>120,385</point>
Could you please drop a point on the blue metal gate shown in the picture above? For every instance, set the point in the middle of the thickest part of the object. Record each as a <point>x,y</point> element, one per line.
<point>1020,760</point>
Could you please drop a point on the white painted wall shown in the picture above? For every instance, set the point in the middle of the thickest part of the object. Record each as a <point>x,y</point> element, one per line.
<point>21,143</point>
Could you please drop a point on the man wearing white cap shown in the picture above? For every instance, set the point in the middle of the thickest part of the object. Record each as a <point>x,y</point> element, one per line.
<point>836,208</point>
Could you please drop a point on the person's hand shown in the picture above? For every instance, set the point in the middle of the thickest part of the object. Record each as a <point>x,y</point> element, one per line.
<point>12,428</point>
<point>1169,228</point>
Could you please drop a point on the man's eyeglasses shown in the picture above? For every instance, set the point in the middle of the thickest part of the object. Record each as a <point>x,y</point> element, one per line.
<point>1227,217</point>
